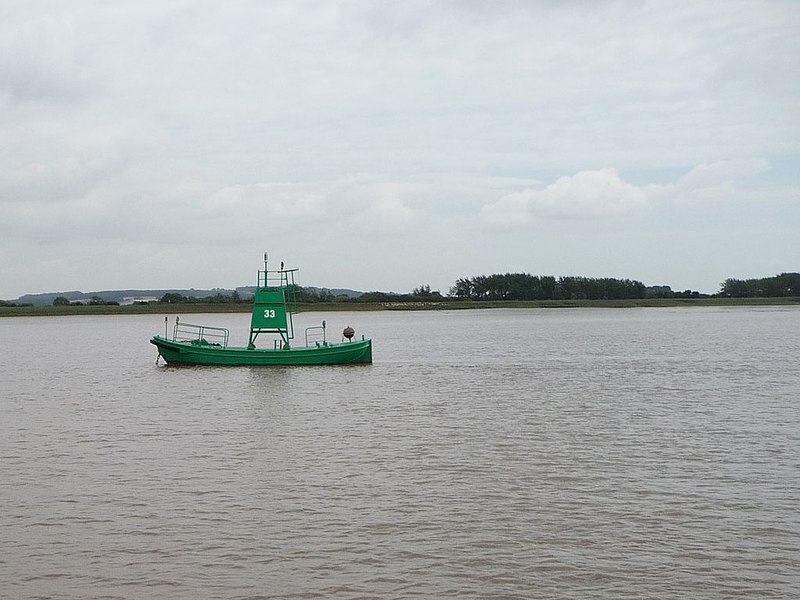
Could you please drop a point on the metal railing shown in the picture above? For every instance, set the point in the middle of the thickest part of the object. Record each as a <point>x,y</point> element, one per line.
<point>316,335</point>
<point>201,334</point>
<point>283,278</point>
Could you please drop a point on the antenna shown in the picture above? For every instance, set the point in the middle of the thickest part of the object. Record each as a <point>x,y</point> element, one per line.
<point>266,258</point>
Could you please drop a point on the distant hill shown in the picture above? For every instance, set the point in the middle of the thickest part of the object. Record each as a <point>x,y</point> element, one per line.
<point>249,290</point>
<point>131,296</point>
<point>121,296</point>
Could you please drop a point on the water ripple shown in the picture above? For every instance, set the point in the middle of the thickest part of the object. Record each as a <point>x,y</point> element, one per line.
<point>571,454</point>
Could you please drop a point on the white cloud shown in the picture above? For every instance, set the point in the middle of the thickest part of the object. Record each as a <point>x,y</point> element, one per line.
<point>585,195</point>
<point>721,172</point>
<point>389,210</point>
<point>290,203</point>
<point>372,205</point>
<point>603,194</point>
<point>709,182</point>
<point>511,211</point>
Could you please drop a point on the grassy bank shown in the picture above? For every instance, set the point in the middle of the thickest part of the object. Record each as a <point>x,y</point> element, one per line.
<point>185,309</point>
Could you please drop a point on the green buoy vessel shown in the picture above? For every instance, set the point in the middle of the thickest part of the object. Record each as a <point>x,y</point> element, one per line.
<point>274,305</point>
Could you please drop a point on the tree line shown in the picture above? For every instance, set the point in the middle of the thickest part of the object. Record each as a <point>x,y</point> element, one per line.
<point>218,298</point>
<point>523,286</point>
<point>311,296</point>
<point>512,286</point>
<point>94,301</point>
<point>779,286</point>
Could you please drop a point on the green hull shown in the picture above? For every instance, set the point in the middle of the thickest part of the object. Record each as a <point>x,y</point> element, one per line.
<point>187,353</point>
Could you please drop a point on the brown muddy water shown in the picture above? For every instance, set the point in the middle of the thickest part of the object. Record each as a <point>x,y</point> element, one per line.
<point>576,453</point>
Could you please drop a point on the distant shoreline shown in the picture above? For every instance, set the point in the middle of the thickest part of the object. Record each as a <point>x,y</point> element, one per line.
<point>195,308</point>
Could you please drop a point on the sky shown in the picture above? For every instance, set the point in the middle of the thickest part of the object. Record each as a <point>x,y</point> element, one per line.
<point>381,145</point>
